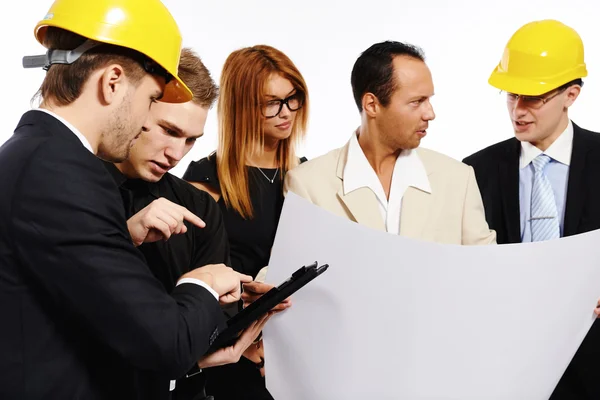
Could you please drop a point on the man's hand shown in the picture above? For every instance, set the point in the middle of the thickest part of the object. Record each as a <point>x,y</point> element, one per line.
<point>256,354</point>
<point>253,291</point>
<point>232,354</point>
<point>597,309</point>
<point>222,279</point>
<point>159,220</point>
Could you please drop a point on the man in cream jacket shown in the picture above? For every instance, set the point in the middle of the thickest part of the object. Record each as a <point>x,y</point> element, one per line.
<point>380,178</point>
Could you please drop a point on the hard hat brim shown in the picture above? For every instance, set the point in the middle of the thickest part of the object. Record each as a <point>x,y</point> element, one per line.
<point>176,92</point>
<point>520,86</point>
<point>530,86</point>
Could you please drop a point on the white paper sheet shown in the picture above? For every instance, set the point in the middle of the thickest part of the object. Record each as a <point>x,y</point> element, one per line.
<point>396,318</point>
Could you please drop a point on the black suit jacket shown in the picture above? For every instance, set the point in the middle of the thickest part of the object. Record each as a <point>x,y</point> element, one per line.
<point>497,172</point>
<point>80,308</point>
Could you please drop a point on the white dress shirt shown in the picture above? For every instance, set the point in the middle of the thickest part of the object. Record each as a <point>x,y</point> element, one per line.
<point>557,172</point>
<point>408,171</point>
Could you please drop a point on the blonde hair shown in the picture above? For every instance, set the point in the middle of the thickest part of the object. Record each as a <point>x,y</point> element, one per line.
<point>242,91</point>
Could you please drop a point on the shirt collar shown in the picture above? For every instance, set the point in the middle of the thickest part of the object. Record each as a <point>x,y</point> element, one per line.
<point>358,172</point>
<point>132,184</point>
<point>560,150</point>
<point>76,131</point>
<point>115,173</point>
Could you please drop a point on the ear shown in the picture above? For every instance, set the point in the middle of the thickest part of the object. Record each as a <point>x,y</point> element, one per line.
<point>113,84</point>
<point>370,104</point>
<point>571,95</point>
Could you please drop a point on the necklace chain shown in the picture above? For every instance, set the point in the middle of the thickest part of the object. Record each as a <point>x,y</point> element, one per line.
<point>271,180</point>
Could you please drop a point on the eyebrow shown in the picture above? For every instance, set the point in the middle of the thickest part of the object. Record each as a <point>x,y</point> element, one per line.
<point>287,95</point>
<point>422,97</point>
<point>166,124</point>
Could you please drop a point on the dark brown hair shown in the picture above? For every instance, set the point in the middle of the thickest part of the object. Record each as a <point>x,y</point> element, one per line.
<point>64,82</point>
<point>373,71</point>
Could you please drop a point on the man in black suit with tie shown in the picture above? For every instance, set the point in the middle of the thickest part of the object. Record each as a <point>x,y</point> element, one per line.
<point>81,310</point>
<point>545,182</point>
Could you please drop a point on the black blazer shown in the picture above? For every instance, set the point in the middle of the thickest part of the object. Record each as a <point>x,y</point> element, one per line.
<point>497,172</point>
<point>80,308</point>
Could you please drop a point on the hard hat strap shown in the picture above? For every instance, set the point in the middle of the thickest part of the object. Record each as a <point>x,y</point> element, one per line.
<point>54,56</point>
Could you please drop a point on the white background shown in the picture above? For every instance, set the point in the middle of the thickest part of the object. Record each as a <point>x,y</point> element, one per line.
<point>463,41</point>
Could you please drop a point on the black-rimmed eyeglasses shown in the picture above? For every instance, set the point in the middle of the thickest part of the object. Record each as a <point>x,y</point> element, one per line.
<point>273,107</point>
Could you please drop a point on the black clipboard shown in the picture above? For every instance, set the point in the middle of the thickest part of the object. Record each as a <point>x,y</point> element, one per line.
<point>265,303</point>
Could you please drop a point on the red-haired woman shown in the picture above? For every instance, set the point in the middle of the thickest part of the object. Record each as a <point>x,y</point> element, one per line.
<point>263,114</point>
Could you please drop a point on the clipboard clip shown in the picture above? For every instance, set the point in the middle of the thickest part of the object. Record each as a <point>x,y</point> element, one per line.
<point>301,271</point>
<point>312,269</point>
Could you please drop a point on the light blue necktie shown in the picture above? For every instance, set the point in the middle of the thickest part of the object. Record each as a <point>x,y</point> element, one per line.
<point>544,216</point>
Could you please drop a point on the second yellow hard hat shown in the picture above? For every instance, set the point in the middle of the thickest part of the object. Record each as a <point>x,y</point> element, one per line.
<point>539,57</point>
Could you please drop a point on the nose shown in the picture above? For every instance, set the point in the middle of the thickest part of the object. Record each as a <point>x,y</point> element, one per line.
<point>517,109</point>
<point>285,112</point>
<point>176,150</point>
<point>147,123</point>
<point>429,114</point>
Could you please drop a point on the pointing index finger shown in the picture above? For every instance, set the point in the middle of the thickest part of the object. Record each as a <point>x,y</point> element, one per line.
<point>245,278</point>
<point>193,218</point>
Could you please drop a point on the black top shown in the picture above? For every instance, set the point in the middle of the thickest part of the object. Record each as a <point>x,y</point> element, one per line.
<point>250,240</point>
<point>170,259</point>
<point>80,309</point>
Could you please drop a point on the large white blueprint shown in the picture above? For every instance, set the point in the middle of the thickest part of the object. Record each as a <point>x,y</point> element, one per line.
<point>395,318</point>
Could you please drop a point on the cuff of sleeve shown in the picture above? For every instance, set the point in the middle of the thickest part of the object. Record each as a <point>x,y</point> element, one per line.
<point>201,283</point>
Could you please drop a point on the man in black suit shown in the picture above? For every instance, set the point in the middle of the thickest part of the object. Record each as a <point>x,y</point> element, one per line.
<point>148,188</point>
<point>81,310</point>
<point>545,182</point>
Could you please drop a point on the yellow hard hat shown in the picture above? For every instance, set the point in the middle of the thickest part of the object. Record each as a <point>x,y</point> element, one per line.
<point>142,25</point>
<point>539,57</point>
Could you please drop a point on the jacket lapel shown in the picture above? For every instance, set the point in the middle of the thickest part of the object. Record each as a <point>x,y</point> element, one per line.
<point>362,203</point>
<point>363,206</point>
<point>415,213</point>
<point>509,190</point>
<point>576,183</point>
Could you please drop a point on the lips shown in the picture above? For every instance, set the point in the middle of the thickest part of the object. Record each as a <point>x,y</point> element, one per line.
<point>522,126</point>
<point>160,167</point>
<point>284,125</point>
